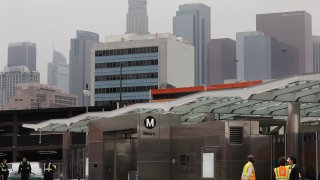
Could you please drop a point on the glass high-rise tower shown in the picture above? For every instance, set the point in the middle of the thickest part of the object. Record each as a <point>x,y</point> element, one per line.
<point>23,54</point>
<point>293,32</point>
<point>193,22</point>
<point>316,54</point>
<point>58,72</point>
<point>80,64</point>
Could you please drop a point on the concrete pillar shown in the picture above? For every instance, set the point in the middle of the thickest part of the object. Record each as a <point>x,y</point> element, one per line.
<point>293,129</point>
<point>65,154</point>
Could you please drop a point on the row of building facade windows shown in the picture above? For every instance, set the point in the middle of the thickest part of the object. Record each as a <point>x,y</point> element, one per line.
<point>114,52</point>
<point>114,103</point>
<point>127,64</point>
<point>65,102</point>
<point>126,76</point>
<point>65,98</point>
<point>124,89</point>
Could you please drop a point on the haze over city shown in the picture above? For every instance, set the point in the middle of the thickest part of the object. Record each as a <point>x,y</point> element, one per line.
<point>37,20</point>
<point>159,89</point>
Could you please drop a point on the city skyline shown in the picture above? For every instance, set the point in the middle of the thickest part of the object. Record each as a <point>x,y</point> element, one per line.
<point>38,25</point>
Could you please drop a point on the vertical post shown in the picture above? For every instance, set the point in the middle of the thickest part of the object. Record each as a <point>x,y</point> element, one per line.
<point>120,103</point>
<point>293,129</point>
<point>317,160</point>
<point>65,154</point>
<point>87,102</point>
<point>87,94</point>
<point>15,138</point>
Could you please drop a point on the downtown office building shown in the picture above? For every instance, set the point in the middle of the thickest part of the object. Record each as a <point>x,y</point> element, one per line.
<point>137,17</point>
<point>240,59</point>
<point>80,64</point>
<point>222,55</point>
<point>316,54</point>
<point>127,67</point>
<point>58,72</point>
<point>257,55</point>
<point>23,54</point>
<point>13,76</point>
<point>193,23</point>
<point>293,32</point>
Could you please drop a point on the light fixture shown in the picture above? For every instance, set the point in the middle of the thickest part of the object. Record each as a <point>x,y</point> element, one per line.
<point>3,154</point>
<point>47,152</point>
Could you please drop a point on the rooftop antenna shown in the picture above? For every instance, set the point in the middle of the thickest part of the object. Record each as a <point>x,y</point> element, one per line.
<point>52,43</point>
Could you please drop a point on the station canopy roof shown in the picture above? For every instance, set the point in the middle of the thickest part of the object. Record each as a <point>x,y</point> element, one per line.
<point>269,99</point>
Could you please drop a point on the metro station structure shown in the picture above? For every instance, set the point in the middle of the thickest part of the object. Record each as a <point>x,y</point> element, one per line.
<point>206,135</point>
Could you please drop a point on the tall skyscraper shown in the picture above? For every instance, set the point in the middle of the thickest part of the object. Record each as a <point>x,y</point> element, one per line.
<point>193,22</point>
<point>23,54</point>
<point>58,72</point>
<point>10,77</point>
<point>80,64</point>
<point>259,57</point>
<point>316,54</point>
<point>137,17</point>
<point>293,31</point>
<point>240,51</point>
<point>128,67</point>
<point>222,60</point>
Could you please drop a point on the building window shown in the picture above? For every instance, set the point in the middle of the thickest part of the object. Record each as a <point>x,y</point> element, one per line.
<point>124,89</point>
<point>141,50</point>
<point>127,76</point>
<point>151,62</point>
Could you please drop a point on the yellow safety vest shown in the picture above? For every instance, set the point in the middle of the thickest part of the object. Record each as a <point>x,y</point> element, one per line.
<point>48,168</point>
<point>4,168</point>
<point>246,170</point>
<point>282,172</point>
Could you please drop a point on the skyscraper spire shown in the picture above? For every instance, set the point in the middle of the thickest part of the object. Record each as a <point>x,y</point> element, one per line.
<point>137,18</point>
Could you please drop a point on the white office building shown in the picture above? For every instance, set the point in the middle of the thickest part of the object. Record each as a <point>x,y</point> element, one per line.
<point>126,67</point>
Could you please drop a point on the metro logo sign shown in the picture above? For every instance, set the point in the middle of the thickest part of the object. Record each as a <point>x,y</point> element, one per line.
<point>150,122</point>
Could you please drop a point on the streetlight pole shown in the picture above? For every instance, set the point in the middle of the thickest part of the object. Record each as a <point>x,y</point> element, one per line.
<point>87,94</point>
<point>120,103</point>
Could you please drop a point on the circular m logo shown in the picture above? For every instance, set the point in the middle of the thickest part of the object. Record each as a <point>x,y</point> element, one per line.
<point>149,122</point>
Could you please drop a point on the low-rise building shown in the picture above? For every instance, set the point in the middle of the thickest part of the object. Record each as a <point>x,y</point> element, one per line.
<point>39,96</point>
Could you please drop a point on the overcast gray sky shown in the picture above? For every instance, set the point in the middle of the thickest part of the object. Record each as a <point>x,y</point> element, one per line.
<point>34,20</point>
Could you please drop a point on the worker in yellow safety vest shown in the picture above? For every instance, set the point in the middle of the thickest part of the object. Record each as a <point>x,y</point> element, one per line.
<point>282,172</point>
<point>248,172</point>
<point>48,170</point>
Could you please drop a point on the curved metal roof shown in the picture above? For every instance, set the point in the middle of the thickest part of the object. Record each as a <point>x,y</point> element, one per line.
<point>268,99</point>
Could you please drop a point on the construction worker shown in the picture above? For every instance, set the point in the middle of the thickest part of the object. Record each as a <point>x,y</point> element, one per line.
<point>24,169</point>
<point>248,172</point>
<point>282,172</point>
<point>4,172</point>
<point>48,170</point>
